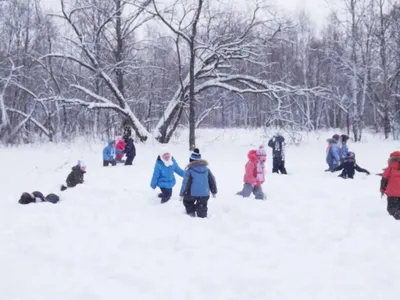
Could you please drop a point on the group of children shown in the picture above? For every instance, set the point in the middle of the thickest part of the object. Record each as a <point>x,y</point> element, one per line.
<point>339,158</point>
<point>199,182</point>
<point>197,185</point>
<point>115,150</point>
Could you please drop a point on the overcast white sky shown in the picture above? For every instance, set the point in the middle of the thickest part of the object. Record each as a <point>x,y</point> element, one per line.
<point>318,10</point>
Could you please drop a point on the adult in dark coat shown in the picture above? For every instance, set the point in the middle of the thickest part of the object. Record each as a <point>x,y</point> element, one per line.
<point>277,143</point>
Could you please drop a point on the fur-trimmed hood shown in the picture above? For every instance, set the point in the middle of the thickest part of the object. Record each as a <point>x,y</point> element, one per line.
<point>197,163</point>
<point>332,141</point>
<point>394,162</point>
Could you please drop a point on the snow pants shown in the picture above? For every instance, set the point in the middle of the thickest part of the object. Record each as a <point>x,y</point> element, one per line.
<point>278,165</point>
<point>165,195</point>
<point>393,207</point>
<point>196,205</point>
<point>248,189</point>
<point>129,159</point>
<point>109,162</point>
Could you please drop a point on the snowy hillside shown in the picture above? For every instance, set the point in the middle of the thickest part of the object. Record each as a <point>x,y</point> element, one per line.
<point>316,236</point>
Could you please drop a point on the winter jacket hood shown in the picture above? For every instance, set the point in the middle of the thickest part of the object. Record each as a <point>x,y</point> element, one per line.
<point>332,141</point>
<point>394,161</point>
<point>197,163</point>
<point>252,155</point>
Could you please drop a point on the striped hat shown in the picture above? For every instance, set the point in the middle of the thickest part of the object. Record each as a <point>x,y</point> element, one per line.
<point>195,155</point>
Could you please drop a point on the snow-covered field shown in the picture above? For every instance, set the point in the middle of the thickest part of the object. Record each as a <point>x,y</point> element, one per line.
<point>316,237</point>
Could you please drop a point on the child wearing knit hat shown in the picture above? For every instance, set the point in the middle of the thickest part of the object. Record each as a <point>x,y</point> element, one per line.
<point>76,176</point>
<point>254,175</point>
<point>195,155</point>
<point>197,185</point>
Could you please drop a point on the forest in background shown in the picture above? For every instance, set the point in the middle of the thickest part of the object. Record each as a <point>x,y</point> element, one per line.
<point>99,65</point>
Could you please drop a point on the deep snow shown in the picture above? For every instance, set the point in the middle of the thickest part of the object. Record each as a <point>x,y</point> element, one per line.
<point>316,237</point>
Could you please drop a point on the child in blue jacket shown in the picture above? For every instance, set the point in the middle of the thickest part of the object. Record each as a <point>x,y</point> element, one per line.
<point>109,154</point>
<point>197,185</point>
<point>333,153</point>
<point>163,175</point>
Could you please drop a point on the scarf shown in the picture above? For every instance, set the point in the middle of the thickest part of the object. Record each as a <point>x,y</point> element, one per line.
<point>167,163</point>
<point>260,171</point>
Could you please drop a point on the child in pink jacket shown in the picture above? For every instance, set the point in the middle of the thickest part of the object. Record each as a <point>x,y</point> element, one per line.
<point>255,174</point>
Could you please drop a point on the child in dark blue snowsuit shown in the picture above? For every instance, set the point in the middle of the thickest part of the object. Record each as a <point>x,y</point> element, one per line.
<point>332,153</point>
<point>197,185</point>
<point>349,166</point>
<point>163,175</point>
<point>37,197</point>
<point>277,143</point>
<point>130,150</point>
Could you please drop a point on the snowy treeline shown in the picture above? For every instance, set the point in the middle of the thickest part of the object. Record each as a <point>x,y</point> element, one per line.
<point>99,64</point>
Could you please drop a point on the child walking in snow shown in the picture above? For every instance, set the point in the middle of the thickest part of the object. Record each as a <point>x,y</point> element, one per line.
<point>349,167</point>
<point>332,153</point>
<point>76,176</point>
<point>120,149</point>
<point>254,174</point>
<point>197,185</point>
<point>277,143</point>
<point>37,197</point>
<point>390,185</point>
<point>163,175</point>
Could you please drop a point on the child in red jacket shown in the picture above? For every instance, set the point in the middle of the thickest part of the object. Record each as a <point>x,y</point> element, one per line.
<point>254,175</point>
<point>390,185</point>
<point>120,146</point>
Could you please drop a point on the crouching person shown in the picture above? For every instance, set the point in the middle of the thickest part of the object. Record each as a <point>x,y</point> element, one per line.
<point>109,153</point>
<point>390,185</point>
<point>37,197</point>
<point>76,176</point>
<point>197,184</point>
<point>349,167</point>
